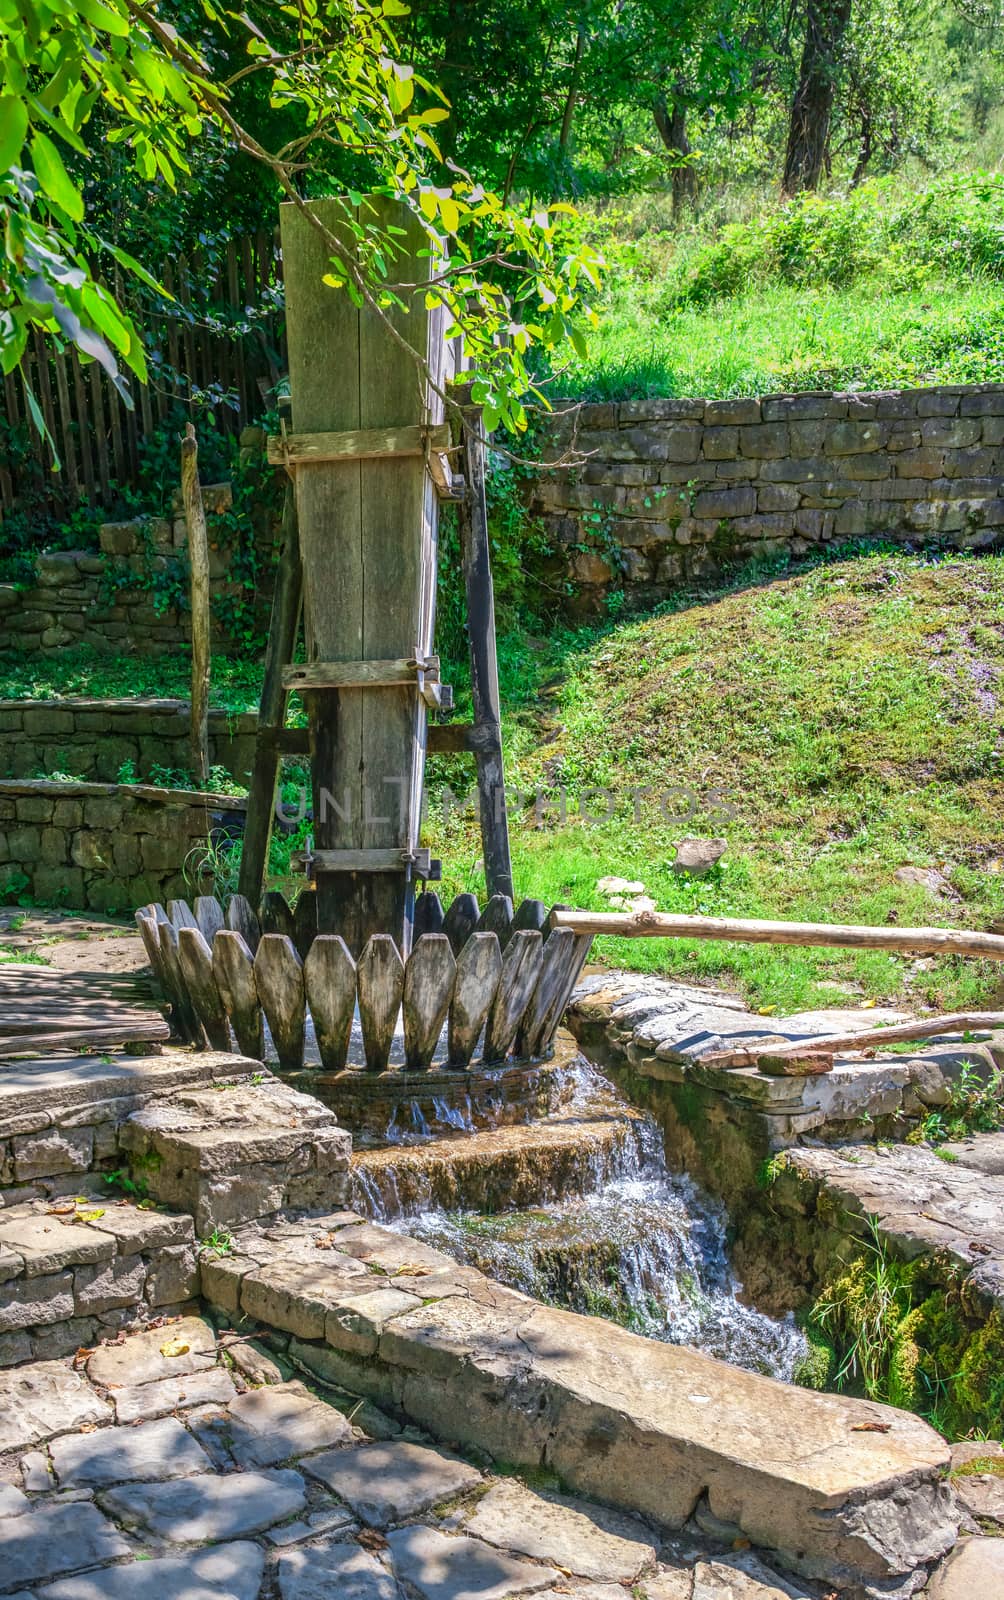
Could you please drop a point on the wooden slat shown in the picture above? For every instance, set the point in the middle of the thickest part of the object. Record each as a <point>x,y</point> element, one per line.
<point>521,967</point>
<point>497,918</point>
<point>241,918</point>
<point>371,861</point>
<point>238,376</point>
<point>118,444</point>
<point>531,914</point>
<point>355,444</point>
<point>305,921</point>
<point>43,386</point>
<point>100,435</point>
<point>152,1030</point>
<point>329,975</point>
<point>380,988</point>
<point>189,1026</point>
<point>461,920</point>
<point>67,445</point>
<point>274,914</point>
<point>428,913</point>
<point>181,915</point>
<point>428,989</point>
<point>479,967</point>
<point>85,430</point>
<point>209,916</point>
<point>196,960</point>
<point>557,959</point>
<point>146,922</point>
<point>233,969</point>
<point>278,975</point>
<point>454,738</point>
<point>405,671</point>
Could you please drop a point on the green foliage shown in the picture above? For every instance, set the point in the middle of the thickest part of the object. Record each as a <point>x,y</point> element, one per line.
<point>976,1106</point>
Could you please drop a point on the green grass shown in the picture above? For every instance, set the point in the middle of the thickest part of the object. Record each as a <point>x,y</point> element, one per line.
<point>850,716</point>
<point>236,681</point>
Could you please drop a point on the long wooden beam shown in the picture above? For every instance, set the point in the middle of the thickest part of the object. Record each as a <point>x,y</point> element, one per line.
<point>828,1044</point>
<point>844,936</point>
<point>357,444</point>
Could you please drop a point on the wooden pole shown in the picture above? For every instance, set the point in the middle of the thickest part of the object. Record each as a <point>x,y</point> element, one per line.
<point>845,936</point>
<point>272,711</point>
<point>864,1038</point>
<point>475,553</point>
<point>198,556</point>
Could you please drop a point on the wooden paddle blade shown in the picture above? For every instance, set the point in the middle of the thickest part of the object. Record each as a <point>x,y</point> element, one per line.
<point>196,961</point>
<point>305,921</point>
<point>278,976</point>
<point>233,969</point>
<point>329,975</point>
<point>380,987</point>
<point>497,918</point>
<point>274,915</point>
<point>208,916</point>
<point>429,914</point>
<point>479,967</point>
<point>461,920</point>
<point>180,914</point>
<point>242,919</point>
<point>521,966</point>
<point>428,989</point>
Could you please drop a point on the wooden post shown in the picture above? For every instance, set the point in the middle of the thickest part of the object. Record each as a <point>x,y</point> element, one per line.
<point>475,555</point>
<point>272,711</point>
<point>368,528</point>
<point>198,557</point>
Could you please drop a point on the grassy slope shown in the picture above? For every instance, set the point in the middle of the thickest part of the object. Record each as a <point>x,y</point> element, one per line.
<point>852,715</point>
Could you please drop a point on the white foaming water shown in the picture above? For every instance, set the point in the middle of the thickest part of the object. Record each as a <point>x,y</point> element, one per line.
<point>645,1248</point>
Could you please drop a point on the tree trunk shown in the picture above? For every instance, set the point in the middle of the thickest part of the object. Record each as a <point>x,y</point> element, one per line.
<point>671,121</point>
<point>812,107</point>
<point>198,558</point>
<point>568,115</point>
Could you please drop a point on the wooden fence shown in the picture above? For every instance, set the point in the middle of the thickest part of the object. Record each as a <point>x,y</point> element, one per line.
<point>224,335</point>
<point>490,978</point>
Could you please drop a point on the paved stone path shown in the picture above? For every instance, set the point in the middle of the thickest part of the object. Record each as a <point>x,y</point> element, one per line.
<point>278,1492</point>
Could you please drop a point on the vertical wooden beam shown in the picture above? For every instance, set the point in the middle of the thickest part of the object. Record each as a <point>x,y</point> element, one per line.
<point>475,552</point>
<point>272,711</point>
<point>198,556</point>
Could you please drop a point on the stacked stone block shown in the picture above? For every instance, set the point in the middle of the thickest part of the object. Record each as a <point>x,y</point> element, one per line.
<point>94,738</point>
<point>670,491</point>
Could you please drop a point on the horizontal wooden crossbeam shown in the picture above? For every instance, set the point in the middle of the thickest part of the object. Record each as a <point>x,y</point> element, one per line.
<point>454,738</point>
<point>394,860</point>
<point>358,444</point>
<point>420,672</point>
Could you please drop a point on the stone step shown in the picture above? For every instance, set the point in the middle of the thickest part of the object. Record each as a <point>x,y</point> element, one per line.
<point>508,1168</point>
<point>845,1491</point>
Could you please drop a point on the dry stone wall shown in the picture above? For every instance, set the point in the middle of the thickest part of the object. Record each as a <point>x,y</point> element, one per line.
<point>676,490</point>
<point>104,847</point>
<point>94,738</point>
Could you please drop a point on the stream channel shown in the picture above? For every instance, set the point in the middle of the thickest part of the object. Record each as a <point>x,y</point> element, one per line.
<point>577,1209</point>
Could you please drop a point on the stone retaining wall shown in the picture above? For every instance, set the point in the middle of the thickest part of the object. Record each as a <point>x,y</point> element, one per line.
<point>93,739</point>
<point>107,599</point>
<point>677,490</point>
<point>104,847</point>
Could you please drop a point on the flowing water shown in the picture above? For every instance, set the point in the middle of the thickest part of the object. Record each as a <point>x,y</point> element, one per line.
<point>642,1247</point>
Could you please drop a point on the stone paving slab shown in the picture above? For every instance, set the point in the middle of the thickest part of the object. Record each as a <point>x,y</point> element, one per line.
<point>441,1567</point>
<point>45,1399</point>
<point>327,1571</point>
<point>46,1244</point>
<point>385,1482</point>
<point>152,1451</point>
<point>214,1386</point>
<point>55,1540</point>
<point>272,1425</point>
<point>584,1539</point>
<point>31,1091</point>
<point>227,1572</point>
<point>973,1571</point>
<point>140,1358</point>
<point>209,1507</point>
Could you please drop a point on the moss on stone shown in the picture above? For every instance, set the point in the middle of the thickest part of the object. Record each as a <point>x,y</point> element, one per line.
<point>816,1368</point>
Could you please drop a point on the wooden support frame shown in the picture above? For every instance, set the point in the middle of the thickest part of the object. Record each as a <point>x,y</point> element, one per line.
<point>292,450</point>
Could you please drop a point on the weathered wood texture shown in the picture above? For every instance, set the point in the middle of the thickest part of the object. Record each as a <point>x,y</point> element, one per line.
<point>196,960</point>
<point>198,588</point>
<point>278,975</point>
<point>329,974</point>
<point>42,1008</point>
<point>243,919</point>
<point>479,967</point>
<point>380,989</point>
<point>461,920</point>
<point>368,535</point>
<point>521,966</point>
<point>428,989</point>
<point>233,969</point>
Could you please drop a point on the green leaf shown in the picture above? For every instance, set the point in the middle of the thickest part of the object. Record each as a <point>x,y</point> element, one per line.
<point>130,263</point>
<point>54,178</point>
<point>13,129</point>
<point>104,17</point>
<point>39,421</point>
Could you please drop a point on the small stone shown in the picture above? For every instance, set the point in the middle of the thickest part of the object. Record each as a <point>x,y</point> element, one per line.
<point>164,1395</point>
<point>698,856</point>
<point>670,1583</point>
<point>12,1501</point>
<point>209,1507</point>
<point>923,878</point>
<point>445,1568</point>
<point>36,1474</point>
<point>254,1362</point>
<point>228,1572</point>
<point>109,1285</point>
<point>587,1540</point>
<point>323,1571</point>
<point>741,1577</point>
<point>61,1538</point>
<point>608,886</point>
<point>36,1302</point>
<point>47,1398</point>
<point>386,1482</point>
<point>982,1495</point>
<point>310,1527</point>
<point>138,1359</point>
<point>974,1570</point>
<point>271,1425</point>
<point>114,1455</point>
<point>173,1276</point>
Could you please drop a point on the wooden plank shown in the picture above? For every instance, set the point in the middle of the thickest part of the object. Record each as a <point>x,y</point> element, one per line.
<point>241,919</point>
<point>274,914</point>
<point>380,988</point>
<point>272,710</point>
<point>355,444</point>
<point>189,1026</point>
<point>497,918</point>
<point>278,976</point>
<point>233,969</point>
<point>305,921</point>
<point>475,551</point>
<point>329,975</point>
<point>454,738</point>
<point>198,587</point>
<point>531,914</point>
<point>521,967</point>
<point>765,1054</point>
<point>556,963</point>
<point>180,914</point>
<point>152,1030</point>
<point>841,936</point>
<point>196,960</point>
<point>44,384</point>
<point>479,967</point>
<point>209,916</point>
<point>368,861</point>
<point>563,992</point>
<point>428,913</point>
<point>403,671</point>
<point>461,920</point>
<point>67,445</point>
<point>429,977</point>
<point>146,922</point>
<point>85,430</point>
